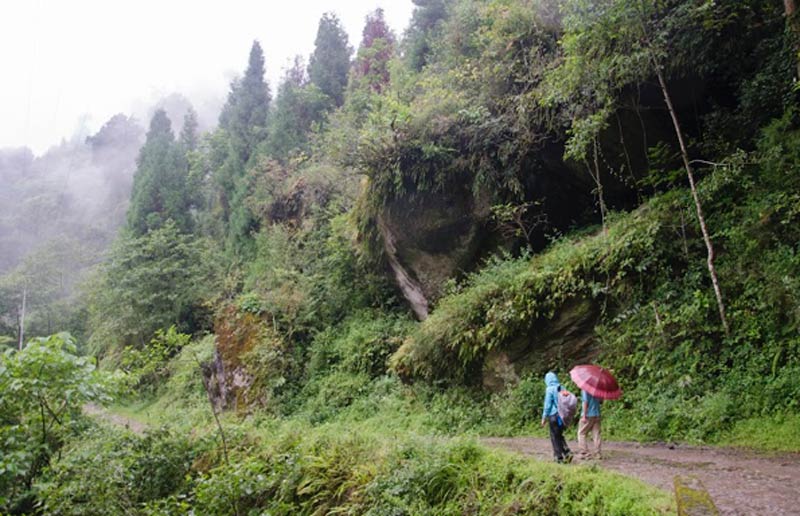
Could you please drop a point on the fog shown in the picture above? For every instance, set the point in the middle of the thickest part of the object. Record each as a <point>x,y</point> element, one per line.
<point>79,65</point>
<point>70,66</point>
<point>77,190</point>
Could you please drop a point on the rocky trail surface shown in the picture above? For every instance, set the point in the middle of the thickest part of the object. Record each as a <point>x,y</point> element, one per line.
<point>739,482</point>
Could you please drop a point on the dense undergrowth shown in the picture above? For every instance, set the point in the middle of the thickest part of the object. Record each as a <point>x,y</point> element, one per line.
<point>390,450</point>
<point>289,469</point>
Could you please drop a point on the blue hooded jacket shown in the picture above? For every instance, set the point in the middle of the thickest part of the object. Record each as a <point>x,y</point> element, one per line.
<point>551,395</point>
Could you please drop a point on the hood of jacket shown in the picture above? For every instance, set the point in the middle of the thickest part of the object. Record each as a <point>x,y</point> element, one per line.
<point>551,380</point>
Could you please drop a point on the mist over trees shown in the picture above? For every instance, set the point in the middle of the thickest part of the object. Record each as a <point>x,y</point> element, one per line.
<point>58,213</point>
<point>78,188</point>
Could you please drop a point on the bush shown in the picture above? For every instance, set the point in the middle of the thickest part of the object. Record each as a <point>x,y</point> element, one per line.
<point>148,368</point>
<point>361,344</point>
<point>43,388</point>
<point>342,470</point>
<point>108,471</point>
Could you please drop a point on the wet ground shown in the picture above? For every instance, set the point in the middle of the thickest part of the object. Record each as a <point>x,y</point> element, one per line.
<point>740,482</point>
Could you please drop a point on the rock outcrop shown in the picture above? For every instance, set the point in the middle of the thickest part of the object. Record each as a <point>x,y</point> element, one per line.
<point>431,238</point>
<point>227,378</point>
<point>568,338</point>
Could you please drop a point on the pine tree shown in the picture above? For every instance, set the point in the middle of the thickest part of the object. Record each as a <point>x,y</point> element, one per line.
<point>244,115</point>
<point>298,107</point>
<point>243,127</point>
<point>330,62</point>
<point>188,136</point>
<point>425,20</point>
<point>159,184</point>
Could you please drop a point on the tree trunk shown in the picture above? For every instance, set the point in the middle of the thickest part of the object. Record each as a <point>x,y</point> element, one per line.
<point>790,6</point>
<point>698,206</point>
<point>594,173</point>
<point>793,23</point>
<point>22,318</point>
<point>628,158</point>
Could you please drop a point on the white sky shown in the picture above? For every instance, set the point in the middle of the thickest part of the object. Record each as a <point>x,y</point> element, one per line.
<point>62,59</point>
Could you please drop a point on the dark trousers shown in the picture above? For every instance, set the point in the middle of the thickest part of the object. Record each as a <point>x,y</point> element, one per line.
<point>560,449</point>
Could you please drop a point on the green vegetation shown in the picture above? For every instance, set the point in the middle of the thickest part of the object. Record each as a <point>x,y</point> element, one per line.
<point>256,306</point>
<point>350,463</point>
<point>150,282</point>
<point>159,186</point>
<point>42,390</point>
<point>289,471</point>
<point>778,433</point>
<point>656,326</point>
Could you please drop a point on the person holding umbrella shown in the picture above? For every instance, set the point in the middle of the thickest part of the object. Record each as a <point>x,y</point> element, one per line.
<point>589,422</point>
<point>596,384</point>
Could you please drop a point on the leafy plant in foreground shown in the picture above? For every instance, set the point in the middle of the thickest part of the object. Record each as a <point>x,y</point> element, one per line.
<point>42,390</point>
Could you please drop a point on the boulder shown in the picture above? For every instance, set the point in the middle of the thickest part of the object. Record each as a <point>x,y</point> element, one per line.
<point>430,238</point>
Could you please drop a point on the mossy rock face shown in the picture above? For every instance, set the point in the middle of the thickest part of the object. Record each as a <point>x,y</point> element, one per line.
<point>436,235</point>
<point>227,376</point>
<point>567,338</point>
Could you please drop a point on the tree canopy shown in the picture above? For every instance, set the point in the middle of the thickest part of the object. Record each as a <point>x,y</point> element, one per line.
<point>330,62</point>
<point>159,185</point>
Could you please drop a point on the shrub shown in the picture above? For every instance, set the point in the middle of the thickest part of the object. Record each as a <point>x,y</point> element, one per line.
<point>109,471</point>
<point>43,388</point>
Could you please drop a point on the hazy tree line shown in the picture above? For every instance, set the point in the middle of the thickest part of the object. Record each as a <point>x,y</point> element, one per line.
<point>155,181</point>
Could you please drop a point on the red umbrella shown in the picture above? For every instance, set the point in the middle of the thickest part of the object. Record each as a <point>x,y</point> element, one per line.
<point>597,381</point>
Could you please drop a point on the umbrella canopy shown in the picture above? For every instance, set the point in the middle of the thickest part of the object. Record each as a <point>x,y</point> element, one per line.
<point>597,381</point>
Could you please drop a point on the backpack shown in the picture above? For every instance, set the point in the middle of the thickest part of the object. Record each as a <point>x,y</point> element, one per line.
<point>567,406</point>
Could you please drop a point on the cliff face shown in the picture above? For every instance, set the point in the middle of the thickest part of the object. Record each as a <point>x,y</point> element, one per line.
<point>431,238</point>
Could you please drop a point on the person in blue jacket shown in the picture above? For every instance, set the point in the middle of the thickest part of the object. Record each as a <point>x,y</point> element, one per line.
<point>590,422</point>
<point>561,451</point>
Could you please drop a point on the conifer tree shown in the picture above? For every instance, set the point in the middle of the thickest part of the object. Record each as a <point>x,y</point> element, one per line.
<point>188,136</point>
<point>243,127</point>
<point>159,184</point>
<point>298,106</point>
<point>425,20</point>
<point>330,62</point>
<point>244,115</point>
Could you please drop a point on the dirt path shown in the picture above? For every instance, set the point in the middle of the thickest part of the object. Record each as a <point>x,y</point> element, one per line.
<point>115,419</point>
<point>740,482</point>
